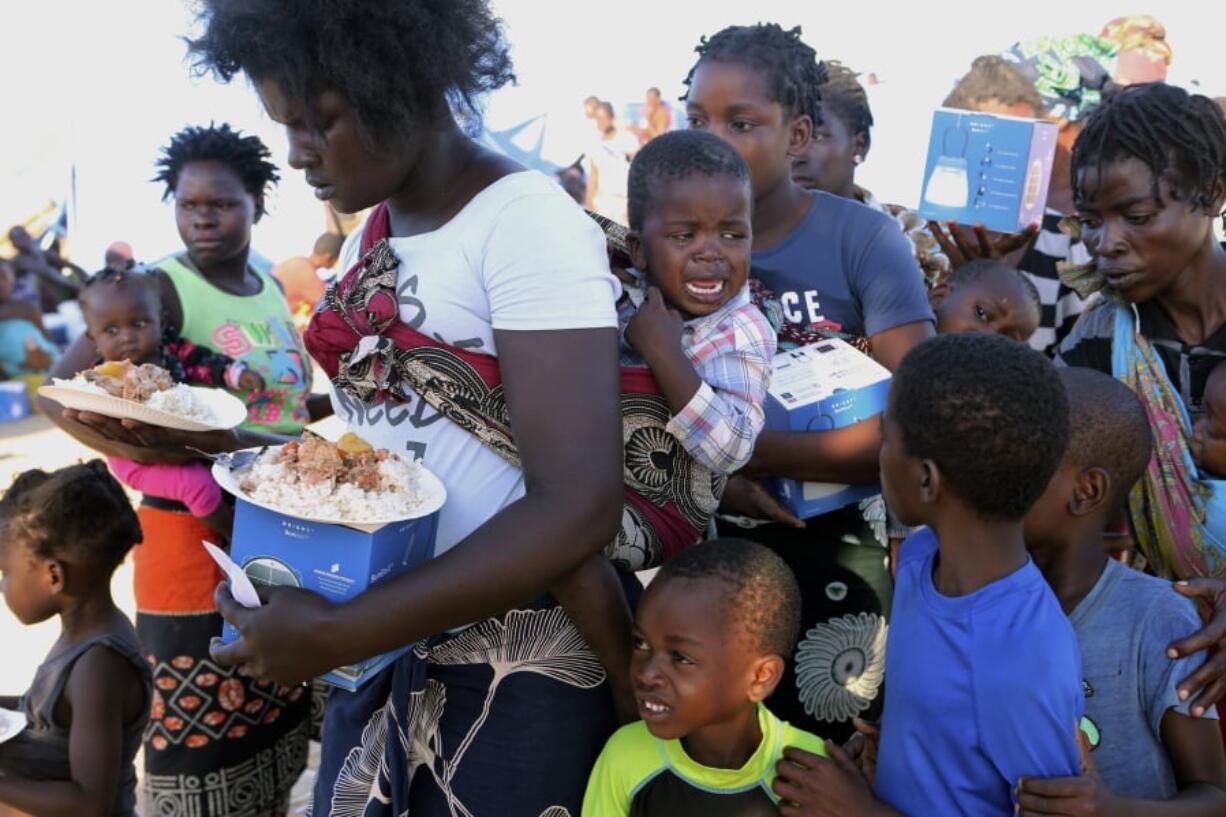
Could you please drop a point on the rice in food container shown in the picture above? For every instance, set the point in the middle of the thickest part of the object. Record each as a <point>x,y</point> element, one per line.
<point>317,479</point>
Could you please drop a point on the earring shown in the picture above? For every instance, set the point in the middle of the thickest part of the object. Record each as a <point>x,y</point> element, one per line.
<point>856,159</point>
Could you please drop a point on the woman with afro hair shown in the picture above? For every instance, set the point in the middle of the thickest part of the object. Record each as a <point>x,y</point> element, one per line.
<point>492,277</point>
<point>218,743</point>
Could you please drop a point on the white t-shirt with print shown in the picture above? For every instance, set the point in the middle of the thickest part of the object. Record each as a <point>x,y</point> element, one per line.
<point>520,256</point>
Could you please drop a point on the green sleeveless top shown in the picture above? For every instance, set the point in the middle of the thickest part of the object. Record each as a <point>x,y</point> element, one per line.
<point>256,329</point>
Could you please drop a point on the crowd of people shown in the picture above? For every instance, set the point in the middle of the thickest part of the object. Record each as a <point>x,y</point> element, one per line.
<point>1029,619</point>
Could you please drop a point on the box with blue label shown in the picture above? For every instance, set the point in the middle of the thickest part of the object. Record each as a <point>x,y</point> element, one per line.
<point>987,169</point>
<point>335,561</point>
<point>14,401</point>
<point>821,387</point>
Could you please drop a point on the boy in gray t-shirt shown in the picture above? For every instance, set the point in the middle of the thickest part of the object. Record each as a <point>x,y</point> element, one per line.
<point>1143,743</point>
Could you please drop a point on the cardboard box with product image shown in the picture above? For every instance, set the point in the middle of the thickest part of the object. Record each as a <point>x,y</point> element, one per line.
<point>987,169</point>
<point>821,387</point>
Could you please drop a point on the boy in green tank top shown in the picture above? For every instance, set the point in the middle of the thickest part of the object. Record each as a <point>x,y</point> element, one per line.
<point>709,639</point>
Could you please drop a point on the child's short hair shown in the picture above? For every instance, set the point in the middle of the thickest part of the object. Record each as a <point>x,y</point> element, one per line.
<point>763,596</point>
<point>990,412</point>
<point>972,271</point>
<point>1181,137</point>
<point>678,155</point>
<point>793,72</point>
<point>79,513</point>
<point>1109,429</point>
<point>136,277</point>
<point>993,77</point>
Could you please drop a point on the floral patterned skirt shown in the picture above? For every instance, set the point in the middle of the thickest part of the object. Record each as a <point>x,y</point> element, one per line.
<point>505,717</point>
<point>218,744</point>
<point>837,671</point>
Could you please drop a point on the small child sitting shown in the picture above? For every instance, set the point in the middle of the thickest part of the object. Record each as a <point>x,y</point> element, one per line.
<point>123,316</point>
<point>61,537</point>
<point>1209,432</point>
<point>1145,744</point>
<point>708,347</point>
<point>24,347</point>
<point>710,638</point>
<point>987,296</point>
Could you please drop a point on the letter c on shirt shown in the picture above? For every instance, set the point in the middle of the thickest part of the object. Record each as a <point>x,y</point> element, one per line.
<point>789,301</point>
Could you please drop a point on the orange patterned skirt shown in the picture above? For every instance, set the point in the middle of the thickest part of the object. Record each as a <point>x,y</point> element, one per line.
<point>217,743</point>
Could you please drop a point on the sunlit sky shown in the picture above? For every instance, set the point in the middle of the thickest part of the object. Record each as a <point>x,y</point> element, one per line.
<point>102,85</point>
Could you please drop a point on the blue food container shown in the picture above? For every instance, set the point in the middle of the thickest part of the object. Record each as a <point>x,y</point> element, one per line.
<point>334,560</point>
<point>14,401</point>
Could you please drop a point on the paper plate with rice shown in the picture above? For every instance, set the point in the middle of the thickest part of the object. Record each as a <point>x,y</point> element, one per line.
<point>147,393</point>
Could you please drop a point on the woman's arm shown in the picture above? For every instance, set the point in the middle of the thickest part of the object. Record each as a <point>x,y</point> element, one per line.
<point>844,454</point>
<point>96,689</point>
<point>562,396</point>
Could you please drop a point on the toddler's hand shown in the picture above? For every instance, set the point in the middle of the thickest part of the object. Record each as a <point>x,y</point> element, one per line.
<point>250,381</point>
<point>654,327</point>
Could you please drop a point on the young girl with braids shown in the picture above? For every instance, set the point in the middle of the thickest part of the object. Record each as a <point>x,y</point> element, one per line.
<point>836,266</point>
<point>62,535</point>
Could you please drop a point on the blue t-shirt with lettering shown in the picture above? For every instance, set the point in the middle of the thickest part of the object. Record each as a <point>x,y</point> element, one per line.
<point>981,690</point>
<point>845,267</point>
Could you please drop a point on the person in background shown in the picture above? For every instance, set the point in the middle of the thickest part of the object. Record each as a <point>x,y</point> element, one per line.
<point>607,165</point>
<point>25,349</point>
<point>1146,753</point>
<point>590,104</point>
<point>840,144</point>
<point>1144,54</point>
<point>657,118</point>
<point>303,278</point>
<point>118,256</point>
<point>1061,80</point>
<point>62,534</point>
<point>573,180</point>
<point>833,266</point>
<point>42,275</point>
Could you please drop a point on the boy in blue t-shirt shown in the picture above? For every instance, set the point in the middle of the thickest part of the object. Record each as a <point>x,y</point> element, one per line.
<point>982,669</point>
<point>1147,753</point>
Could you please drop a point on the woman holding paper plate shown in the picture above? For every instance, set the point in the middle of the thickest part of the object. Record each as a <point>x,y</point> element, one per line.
<point>218,743</point>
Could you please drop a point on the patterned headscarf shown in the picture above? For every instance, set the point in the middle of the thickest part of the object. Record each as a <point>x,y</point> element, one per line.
<point>1071,74</point>
<point>1139,32</point>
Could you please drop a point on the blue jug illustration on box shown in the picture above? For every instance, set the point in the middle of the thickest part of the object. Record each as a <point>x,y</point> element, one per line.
<point>949,184</point>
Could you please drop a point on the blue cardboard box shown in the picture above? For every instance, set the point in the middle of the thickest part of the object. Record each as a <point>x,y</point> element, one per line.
<point>987,169</point>
<point>14,401</point>
<point>335,561</point>
<point>821,387</point>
